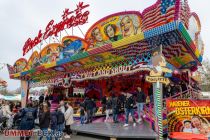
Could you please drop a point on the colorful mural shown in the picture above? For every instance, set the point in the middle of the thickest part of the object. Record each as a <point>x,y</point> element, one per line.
<point>50,53</point>
<point>72,45</point>
<point>20,65</point>
<point>113,28</point>
<point>33,60</point>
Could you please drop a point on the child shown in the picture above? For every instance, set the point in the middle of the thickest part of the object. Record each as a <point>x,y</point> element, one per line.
<point>82,114</point>
<point>187,126</point>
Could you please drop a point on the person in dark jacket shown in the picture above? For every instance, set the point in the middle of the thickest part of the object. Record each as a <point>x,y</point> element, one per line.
<point>108,108</point>
<point>94,107</point>
<point>167,93</point>
<point>28,116</point>
<point>54,122</point>
<point>60,120</point>
<point>183,86</point>
<point>174,90</point>
<point>47,97</point>
<point>44,121</point>
<point>89,108</point>
<point>122,99</point>
<point>150,93</point>
<point>129,108</point>
<point>103,102</point>
<point>140,101</point>
<point>82,115</point>
<point>115,108</point>
<point>41,99</point>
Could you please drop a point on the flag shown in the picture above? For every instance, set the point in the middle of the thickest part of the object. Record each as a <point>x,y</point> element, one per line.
<point>161,13</point>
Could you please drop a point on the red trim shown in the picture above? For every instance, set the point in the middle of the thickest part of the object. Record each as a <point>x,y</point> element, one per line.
<point>192,46</point>
<point>197,19</point>
<point>47,46</point>
<point>76,38</point>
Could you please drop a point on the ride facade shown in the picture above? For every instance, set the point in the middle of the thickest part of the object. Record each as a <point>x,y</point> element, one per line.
<point>121,52</point>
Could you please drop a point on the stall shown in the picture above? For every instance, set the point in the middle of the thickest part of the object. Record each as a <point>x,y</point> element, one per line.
<point>120,52</point>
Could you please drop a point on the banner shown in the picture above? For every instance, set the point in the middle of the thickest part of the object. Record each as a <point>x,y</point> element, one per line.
<point>188,116</point>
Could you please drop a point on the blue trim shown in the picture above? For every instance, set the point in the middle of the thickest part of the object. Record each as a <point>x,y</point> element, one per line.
<point>161,29</point>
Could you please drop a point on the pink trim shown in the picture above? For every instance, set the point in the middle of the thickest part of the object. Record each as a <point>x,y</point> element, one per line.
<point>177,10</point>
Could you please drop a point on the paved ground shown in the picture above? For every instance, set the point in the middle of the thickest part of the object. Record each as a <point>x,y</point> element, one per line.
<point>116,130</point>
<point>74,137</point>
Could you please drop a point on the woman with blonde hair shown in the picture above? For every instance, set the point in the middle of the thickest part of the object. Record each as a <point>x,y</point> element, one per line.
<point>69,119</point>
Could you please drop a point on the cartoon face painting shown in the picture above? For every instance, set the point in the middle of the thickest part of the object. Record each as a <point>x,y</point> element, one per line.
<point>127,26</point>
<point>159,64</point>
<point>96,34</point>
<point>110,31</point>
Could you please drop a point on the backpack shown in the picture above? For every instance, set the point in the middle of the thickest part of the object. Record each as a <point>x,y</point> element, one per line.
<point>29,114</point>
<point>60,118</point>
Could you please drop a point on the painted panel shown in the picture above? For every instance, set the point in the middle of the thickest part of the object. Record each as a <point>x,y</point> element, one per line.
<point>114,28</point>
<point>72,45</point>
<point>50,53</point>
<point>20,65</point>
<point>33,60</point>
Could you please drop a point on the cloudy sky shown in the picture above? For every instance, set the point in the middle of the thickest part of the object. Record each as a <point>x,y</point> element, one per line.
<point>21,19</point>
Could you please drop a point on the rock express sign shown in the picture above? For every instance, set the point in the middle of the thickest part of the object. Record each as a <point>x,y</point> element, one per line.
<point>69,21</point>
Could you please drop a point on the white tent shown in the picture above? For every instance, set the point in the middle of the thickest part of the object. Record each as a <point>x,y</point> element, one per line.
<point>12,98</point>
<point>1,96</point>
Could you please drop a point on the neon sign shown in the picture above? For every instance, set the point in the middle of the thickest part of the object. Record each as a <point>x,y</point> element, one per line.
<point>68,21</point>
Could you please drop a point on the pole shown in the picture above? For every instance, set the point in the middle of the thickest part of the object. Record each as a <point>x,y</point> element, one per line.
<point>24,92</point>
<point>158,108</point>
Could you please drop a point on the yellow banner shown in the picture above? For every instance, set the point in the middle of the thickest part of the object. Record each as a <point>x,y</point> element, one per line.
<point>157,79</point>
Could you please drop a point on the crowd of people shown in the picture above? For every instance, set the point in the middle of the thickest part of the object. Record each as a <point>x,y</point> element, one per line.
<point>37,114</point>
<point>125,102</point>
<point>61,119</point>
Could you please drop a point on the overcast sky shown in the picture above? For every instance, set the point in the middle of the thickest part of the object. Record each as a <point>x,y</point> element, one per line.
<point>21,19</point>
